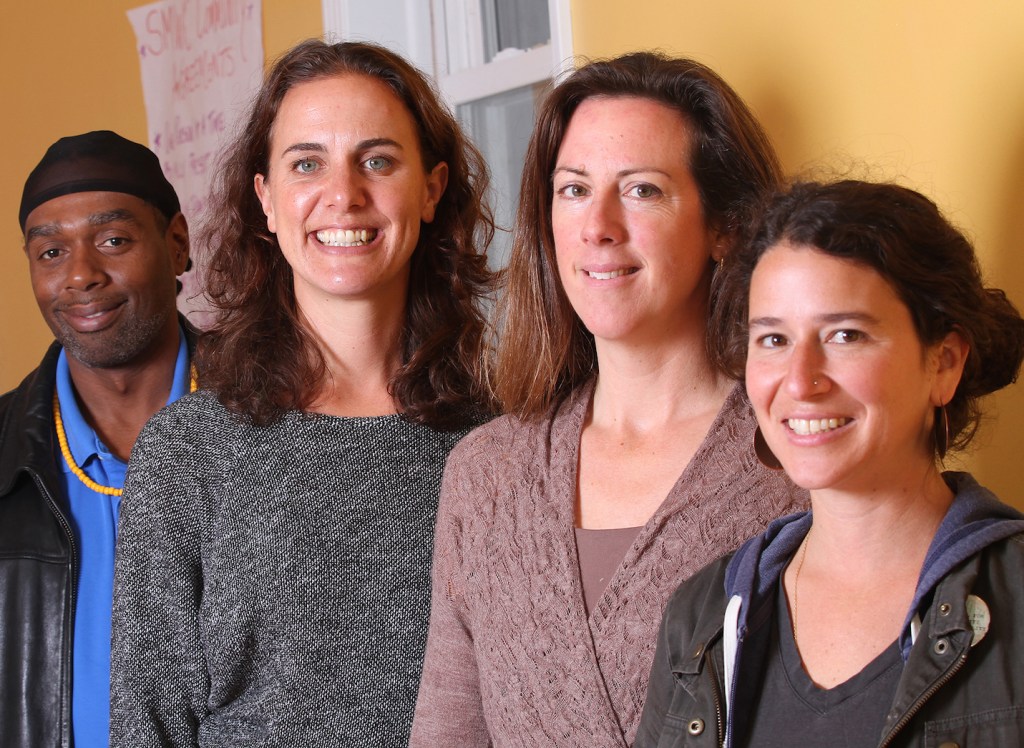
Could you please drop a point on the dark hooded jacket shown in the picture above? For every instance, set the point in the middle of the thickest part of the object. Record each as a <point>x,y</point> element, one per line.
<point>715,633</point>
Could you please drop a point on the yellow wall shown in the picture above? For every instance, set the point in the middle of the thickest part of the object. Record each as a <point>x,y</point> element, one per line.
<point>929,93</point>
<point>70,67</point>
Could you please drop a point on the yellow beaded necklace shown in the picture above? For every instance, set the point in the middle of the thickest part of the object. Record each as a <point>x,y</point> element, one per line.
<point>62,439</point>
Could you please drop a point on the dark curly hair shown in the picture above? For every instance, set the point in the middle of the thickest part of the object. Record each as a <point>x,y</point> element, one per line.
<point>901,235</point>
<point>733,164</point>
<point>259,357</point>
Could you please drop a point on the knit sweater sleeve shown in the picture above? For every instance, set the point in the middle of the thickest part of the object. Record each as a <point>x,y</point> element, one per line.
<point>449,710</point>
<point>159,681</point>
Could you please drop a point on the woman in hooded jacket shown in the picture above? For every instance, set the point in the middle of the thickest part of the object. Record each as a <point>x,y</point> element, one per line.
<point>889,614</point>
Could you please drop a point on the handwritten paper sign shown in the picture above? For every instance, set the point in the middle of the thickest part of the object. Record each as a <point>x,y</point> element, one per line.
<point>201,61</point>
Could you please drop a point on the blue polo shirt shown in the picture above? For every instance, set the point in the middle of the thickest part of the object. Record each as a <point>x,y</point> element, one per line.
<point>94,522</point>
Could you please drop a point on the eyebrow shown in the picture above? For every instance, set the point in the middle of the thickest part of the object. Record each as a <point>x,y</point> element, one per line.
<point>362,145</point>
<point>618,174</point>
<point>95,219</point>
<point>109,216</point>
<point>46,229</point>
<point>830,318</point>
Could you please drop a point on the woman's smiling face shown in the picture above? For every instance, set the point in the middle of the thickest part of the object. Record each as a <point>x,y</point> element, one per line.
<point>843,388</point>
<point>346,188</point>
<point>631,242</point>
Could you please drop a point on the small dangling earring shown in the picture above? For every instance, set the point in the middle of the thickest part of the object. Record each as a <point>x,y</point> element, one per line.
<point>942,435</point>
<point>764,453</point>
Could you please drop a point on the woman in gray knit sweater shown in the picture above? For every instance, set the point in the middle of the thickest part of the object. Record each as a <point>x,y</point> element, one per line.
<point>272,580</point>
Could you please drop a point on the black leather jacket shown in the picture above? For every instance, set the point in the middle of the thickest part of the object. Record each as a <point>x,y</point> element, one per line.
<point>38,567</point>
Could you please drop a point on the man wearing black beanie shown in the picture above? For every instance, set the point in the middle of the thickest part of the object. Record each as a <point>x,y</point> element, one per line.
<point>105,241</point>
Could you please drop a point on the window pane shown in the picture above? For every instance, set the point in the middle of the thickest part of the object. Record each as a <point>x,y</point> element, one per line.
<point>517,24</point>
<point>478,31</point>
<point>500,126</point>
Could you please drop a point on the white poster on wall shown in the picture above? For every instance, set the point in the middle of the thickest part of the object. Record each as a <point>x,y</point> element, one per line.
<point>201,63</point>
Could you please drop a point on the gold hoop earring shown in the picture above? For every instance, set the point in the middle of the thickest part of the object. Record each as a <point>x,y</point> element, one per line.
<point>942,435</point>
<point>764,453</point>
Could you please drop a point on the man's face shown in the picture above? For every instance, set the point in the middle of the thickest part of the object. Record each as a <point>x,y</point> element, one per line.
<point>103,267</point>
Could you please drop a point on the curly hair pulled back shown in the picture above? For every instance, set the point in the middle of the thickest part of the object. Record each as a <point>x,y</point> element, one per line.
<point>932,267</point>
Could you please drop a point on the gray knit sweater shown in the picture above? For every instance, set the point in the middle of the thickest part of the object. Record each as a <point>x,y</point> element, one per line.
<point>272,585</point>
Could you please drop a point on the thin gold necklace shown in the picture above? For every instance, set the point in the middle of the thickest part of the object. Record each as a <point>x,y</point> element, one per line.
<point>62,440</point>
<point>796,582</point>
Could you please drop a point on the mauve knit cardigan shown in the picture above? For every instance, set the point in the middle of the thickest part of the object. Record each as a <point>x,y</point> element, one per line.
<point>512,659</point>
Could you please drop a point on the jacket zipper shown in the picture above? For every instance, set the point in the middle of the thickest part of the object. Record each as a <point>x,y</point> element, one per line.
<point>718,697</point>
<point>916,706</point>
<point>71,544</point>
<point>67,531</point>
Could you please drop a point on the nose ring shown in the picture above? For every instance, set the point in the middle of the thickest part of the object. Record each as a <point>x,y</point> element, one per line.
<point>815,382</point>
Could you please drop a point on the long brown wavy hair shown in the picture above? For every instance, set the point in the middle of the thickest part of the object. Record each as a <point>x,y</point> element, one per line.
<point>259,357</point>
<point>544,350</point>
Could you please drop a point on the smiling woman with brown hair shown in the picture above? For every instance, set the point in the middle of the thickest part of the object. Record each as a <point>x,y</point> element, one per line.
<point>626,464</point>
<point>890,614</point>
<point>272,581</point>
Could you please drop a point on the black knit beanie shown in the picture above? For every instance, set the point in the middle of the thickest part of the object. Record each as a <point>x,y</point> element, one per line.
<point>99,161</point>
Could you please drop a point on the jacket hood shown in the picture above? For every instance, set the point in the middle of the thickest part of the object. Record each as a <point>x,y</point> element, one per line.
<point>974,520</point>
<point>757,565</point>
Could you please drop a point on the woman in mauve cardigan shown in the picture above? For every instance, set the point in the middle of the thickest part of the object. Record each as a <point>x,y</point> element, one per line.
<point>626,462</point>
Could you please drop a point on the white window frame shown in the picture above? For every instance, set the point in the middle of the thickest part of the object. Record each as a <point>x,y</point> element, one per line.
<point>427,42</point>
<point>510,69</point>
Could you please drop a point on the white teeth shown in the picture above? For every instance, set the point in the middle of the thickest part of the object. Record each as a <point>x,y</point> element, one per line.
<point>804,426</point>
<point>609,275</point>
<point>346,237</point>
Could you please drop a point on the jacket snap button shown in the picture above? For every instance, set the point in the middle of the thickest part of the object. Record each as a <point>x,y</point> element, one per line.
<point>941,646</point>
<point>949,744</point>
<point>944,610</point>
<point>696,726</point>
